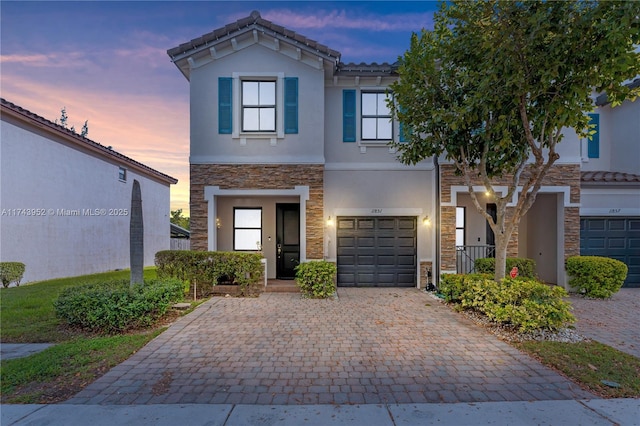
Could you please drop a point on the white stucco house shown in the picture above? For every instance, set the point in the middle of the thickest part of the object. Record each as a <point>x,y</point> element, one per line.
<point>65,200</point>
<point>289,154</point>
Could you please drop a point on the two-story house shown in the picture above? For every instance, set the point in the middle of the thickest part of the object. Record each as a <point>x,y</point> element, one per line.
<point>290,155</point>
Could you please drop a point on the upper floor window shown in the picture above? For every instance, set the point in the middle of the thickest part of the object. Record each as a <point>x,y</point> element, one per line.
<point>122,174</point>
<point>258,106</point>
<point>376,117</point>
<point>252,104</point>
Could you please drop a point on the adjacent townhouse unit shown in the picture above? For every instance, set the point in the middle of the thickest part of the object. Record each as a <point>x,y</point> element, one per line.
<point>610,185</point>
<point>290,155</point>
<point>65,200</point>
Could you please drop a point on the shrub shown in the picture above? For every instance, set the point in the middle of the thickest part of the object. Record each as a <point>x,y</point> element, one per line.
<point>526,267</point>
<point>317,278</point>
<point>453,285</point>
<point>11,272</point>
<point>116,306</point>
<point>521,302</point>
<point>207,267</point>
<point>595,276</point>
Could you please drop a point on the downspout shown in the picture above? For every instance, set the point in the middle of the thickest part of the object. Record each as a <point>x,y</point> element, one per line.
<point>436,259</point>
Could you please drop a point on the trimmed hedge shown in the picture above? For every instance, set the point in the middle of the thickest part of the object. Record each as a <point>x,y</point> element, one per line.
<point>317,278</point>
<point>115,306</point>
<point>208,267</point>
<point>11,272</point>
<point>526,267</point>
<point>595,276</point>
<point>453,286</point>
<point>521,302</point>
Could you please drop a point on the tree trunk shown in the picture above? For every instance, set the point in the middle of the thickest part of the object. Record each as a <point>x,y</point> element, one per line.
<point>502,241</point>
<point>136,235</point>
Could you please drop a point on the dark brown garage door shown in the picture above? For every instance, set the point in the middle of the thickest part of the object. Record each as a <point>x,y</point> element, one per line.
<point>376,251</point>
<point>615,237</point>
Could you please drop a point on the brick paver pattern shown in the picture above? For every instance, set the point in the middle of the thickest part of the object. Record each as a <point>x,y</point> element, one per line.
<point>613,321</point>
<point>370,345</point>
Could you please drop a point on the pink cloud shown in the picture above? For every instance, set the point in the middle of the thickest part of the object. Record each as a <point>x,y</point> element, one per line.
<point>150,129</point>
<point>340,20</point>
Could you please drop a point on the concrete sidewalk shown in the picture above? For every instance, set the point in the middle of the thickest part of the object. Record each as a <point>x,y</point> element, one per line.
<point>624,412</point>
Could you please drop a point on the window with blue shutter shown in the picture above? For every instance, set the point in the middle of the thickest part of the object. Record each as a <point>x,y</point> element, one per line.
<point>225,112</point>
<point>593,144</point>
<point>402,126</point>
<point>348,115</point>
<point>291,105</point>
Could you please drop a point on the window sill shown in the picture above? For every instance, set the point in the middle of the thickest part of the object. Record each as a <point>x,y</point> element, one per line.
<point>272,137</point>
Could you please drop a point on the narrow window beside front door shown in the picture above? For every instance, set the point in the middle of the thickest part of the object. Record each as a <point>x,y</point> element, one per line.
<point>247,229</point>
<point>460,213</point>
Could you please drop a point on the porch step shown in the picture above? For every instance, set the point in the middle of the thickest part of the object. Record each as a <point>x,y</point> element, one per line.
<point>282,286</point>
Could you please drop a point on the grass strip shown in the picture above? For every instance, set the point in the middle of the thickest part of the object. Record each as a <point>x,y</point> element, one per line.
<point>60,371</point>
<point>588,363</point>
<point>27,314</point>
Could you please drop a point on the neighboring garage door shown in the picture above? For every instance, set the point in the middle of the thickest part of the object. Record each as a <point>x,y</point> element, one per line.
<point>376,251</point>
<point>618,238</point>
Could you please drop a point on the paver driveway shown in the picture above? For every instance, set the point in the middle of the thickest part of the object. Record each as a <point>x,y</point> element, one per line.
<point>613,321</point>
<point>368,346</point>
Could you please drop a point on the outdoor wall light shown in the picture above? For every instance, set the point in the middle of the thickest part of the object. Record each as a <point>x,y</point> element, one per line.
<point>329,221</point>
<point>218,224</point>
<point>426,221</point>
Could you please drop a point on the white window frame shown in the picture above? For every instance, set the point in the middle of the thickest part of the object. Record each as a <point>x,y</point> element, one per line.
<point>261,105</point>
<point>122,174</point>
<point>376,116</point>
<point>258,245</point>
<point>237,132</point>
<point>462,228</point>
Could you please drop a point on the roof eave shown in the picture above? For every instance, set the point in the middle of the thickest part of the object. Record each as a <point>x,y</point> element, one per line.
<point>26,116</point>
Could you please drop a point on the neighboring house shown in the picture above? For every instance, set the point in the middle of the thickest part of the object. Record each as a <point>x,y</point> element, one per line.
<point>289,155</point>
<point>65,200</point>
<point>179,237</point>
<point>610,185</point>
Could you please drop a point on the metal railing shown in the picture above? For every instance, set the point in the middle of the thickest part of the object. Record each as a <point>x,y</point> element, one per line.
<point>466,257</point>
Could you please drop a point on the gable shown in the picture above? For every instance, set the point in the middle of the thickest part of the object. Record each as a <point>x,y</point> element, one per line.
<point>248,32</point>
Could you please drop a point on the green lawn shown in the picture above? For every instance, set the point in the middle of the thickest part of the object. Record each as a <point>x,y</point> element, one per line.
<point>589,364</point>
<point>27,314</point>
<point>60,371</point>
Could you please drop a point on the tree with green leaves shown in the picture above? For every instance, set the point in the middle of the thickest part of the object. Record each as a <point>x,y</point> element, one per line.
<point>64,118</point>
<point>178,219</point>
<point>493,85</point>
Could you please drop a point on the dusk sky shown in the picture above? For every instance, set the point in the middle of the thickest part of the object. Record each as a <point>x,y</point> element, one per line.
<point>106,62</point>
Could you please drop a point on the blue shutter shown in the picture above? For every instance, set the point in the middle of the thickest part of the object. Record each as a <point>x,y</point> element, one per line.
<point>402,136</point>
<point>348,116</point>
<point>225,111</point>
<point>593,145</point>
<point>291,105</point>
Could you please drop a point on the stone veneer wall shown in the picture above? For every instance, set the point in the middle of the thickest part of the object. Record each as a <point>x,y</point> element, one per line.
<point>558,175</point>
<point>424,268</point>
<point>258,176</point>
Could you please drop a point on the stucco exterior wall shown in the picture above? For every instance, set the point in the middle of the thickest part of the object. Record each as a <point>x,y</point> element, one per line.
<point>382,193</point>
<point>208,146</point>
<point>82,226</point>
<point>619,139</point>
